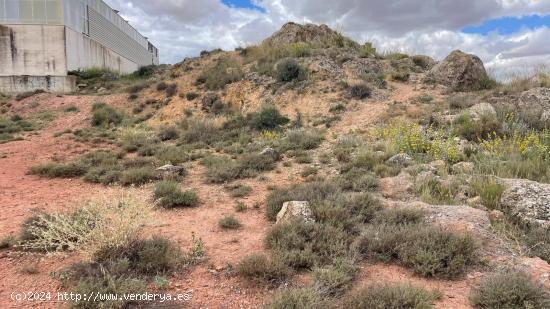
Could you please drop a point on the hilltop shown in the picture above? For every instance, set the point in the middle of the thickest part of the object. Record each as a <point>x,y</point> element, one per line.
<point>308,171</point>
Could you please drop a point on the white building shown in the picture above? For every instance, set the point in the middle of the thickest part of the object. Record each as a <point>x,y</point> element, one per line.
<point>42,40</point>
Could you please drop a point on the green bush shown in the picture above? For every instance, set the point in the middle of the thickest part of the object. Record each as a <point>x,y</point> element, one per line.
<point>169,195</point>
<point>391,296</point>
<point>303,245</point>
<point>486,127</point>
<point>259,268</point>
<point>229,223</point>
<point>429,251</point>
<point>59,170</point>
<point>359,91</point>
<point>168,133</point>
<point>190,96</point>
<point>400,216</point>
<point>296,299</point>
<point>537,240</point>
<point>221,170</point>
<point>289,70</point>
<point>225,71</point>
<point>511,290</point>
<point>238,190</point>
<point>146,257</point>
<point>489,190</point>
<point>334,279</point>
<point>268,118</point>
<point>104,115</point>
<point>300,139</point>
<point>137,176</point>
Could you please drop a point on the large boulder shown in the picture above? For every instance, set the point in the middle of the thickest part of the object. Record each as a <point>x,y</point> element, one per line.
<point>295,210</point>
<point>170,171</point>
<point>320,35</point>
<point>459,70</point>
<point>528,201</point>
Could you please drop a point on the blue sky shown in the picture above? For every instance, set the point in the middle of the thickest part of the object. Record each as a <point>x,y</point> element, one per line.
<point>509,25</point>
<point>245,4</point>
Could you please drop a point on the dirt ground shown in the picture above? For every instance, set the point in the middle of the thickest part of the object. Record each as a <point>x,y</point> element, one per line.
<point>209,284</point>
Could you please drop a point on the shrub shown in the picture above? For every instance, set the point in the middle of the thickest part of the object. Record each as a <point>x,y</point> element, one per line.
<point>429,251</point>
<point>400,76</point>
<point>238,190</point>
<point>169,195</point>
<point>168,133</point>
<point>190,96</point>
<point>334,279</point>
<point>296,298</point>
<point>259,268</point>
<point>358,180</point>
<point>60,232</point>
<point>289,70</point>
<point>359,91</point>
<point>8,242</point>
<point>400,216</point>
<point>309,171</point>
<point>537,240</point>
<point>229,223</point>
<point>150,257</point>
<point>303,245</point>
<point>486,127</point>
<point>58,170</point>
<point>489,190</point>
<point>171,90</point>
<point>104,115</point>
<point>268,118</point>
<point>225,71</point>
<point>248,165</point>
<point>300,140</point>
<point>137,176</point>
<point>509,290</point>
<point>162,86</point>
<point>136,88</point>
<point>391,296</point>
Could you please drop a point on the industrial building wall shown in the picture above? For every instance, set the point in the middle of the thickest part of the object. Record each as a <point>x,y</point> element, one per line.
<point>83,52</point>
<point>32,50</point>
<point>104,32</point>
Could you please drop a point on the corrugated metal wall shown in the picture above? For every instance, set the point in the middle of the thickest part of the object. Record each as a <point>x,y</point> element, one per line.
<point>102,31</point>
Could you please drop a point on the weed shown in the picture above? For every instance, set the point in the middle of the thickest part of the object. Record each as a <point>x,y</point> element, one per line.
<point>268,118</point>
<point>238,190</point>
<point>169,195</point>
<point>259,268</point>
<point>296,298</point>
<point>240,207</point>
<point>509,290</point>
<point>225,71</point>
<point>489,190</point>
<point>309,171</point>
<point>190,96</point>
<point>391,296</point>
<point>359,91</point>
<point>137,176</point>
<point>104,115</point>
<point>229,223</point>
<point>168,133</point>
<point>334,279</point>
<point>289,70</point>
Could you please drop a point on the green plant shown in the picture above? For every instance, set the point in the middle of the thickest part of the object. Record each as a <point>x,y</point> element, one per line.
<point>485,127</point>
<point>259,268</point>
<point>300,139</point>
<point>240,207</point>
<point>104,115</point>
<point>229,223</point>
<point>391,296</point>
<point>489,190</point>
<point>60,232</point>
<point>289,70</point>
<point>509,290</point>
<point>359,91</point>
<point>309,171</point>
<point>238,190</point>
<point>169,195</point>
<point>190,96</point>
<point>225,70</point>
<point>137,176</point>
<point>268,118</point>
<point>296,298</point>
<point>168,133</point>
<point>334,279</point>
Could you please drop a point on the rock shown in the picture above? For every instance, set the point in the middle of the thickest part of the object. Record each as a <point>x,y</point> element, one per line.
<point>535,103</point>
<point>320,35</point>
<point>400,160</point>
<point>363,67</point>
<point>325,67</point>
<point>424,62</point>
<point>170,171</point>
<point>482,109</point>
<point>463,168</point>
<point>438,165</point>
<point>459,70</point>
<point>496,215</point>
<point>528,201</point>
<point>270,152</point>
<point>295,210</point>
<point>210,102</point>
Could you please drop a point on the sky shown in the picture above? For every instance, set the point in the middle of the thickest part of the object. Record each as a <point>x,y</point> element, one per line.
<point>511,36</point>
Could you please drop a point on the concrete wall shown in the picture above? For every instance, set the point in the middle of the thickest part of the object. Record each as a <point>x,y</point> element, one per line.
<point>32,50</point>
<point>18,84</point>
<point>83,52</point>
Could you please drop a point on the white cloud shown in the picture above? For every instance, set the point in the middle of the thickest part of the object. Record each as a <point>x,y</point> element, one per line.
<point>182,28</point>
